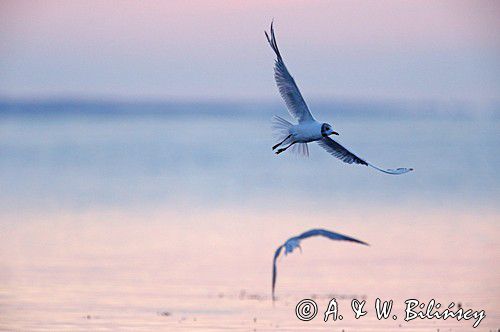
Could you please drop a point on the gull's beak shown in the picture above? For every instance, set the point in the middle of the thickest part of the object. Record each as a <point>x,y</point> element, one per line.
<point>335,133</point>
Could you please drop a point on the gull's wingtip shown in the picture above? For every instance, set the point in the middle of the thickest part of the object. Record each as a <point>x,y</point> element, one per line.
<point>397,171</point>
<point>407,170</point>
<point>271,31</point>
<point>271,26</point>
<point>360,242</point>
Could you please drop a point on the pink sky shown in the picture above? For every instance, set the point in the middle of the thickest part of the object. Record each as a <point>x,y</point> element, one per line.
<point>444,49</point>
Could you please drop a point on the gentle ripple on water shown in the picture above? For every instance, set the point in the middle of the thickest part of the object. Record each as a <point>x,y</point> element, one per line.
<point>169,223</point>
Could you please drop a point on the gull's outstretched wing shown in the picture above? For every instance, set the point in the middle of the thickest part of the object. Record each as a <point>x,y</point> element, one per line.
<point>330,235</point>
<point>286,85</point>
<point>337,150</point>
<point>312,232</point>
<point>275,271</point>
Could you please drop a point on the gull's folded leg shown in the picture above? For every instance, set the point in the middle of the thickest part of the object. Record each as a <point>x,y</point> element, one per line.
<point>283,141</point>
<point>284,149</point>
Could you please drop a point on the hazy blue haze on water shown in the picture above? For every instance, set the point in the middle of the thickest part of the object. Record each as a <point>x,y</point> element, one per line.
<point>85,155</point>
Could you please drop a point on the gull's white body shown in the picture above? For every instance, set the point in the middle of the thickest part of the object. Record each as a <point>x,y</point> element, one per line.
<point>306,132</point>
<point>308,129</point>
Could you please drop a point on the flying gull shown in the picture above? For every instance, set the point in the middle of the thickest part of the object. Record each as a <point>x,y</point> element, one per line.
<point>294,242</point>
<point>308,129</point>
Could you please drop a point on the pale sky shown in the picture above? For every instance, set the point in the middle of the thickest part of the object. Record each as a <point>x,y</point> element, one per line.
<point>217,49</point>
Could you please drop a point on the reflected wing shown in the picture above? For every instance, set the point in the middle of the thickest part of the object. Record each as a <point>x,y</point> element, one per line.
<point>286,85</point>
<point>337,150</point>
<point>330,235</point>
<point>275,272</point>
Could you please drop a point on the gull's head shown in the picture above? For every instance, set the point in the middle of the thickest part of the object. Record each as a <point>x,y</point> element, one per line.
<point>291,244</point>
<point>326,130</point>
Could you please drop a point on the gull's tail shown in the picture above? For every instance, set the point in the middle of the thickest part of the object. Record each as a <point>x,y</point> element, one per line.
<point>281,127</point>
<point>281,130</point>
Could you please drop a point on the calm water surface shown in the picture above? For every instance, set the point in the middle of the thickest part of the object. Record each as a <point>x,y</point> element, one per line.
<point>155,221</point>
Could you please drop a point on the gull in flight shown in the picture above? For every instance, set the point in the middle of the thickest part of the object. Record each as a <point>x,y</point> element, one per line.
<point>294,242</point>
<point>308,129</point>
